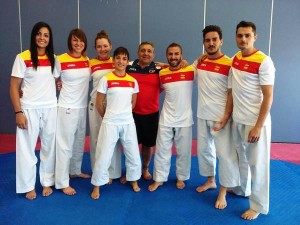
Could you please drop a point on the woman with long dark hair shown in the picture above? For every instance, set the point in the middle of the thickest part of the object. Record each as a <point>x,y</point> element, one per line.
<point>34,73</point>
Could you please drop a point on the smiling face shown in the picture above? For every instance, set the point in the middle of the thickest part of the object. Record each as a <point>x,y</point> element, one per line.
<point>77,46</point>
<point>212,43</point>
<point>145,55</point>
<point>42,38</point>
<point>103,48</point>
<point>174,56</point>
<point>120,63</point>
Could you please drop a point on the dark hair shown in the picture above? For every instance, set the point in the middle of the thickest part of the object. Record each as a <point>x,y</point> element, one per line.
<point>33,46</point>
<point>102,34</point>
<point>246,24</point>
<point>121,51</point>
<point>173,45</point>
<point>146,43</point>
<point>80,35</point>
<point>212,28</point>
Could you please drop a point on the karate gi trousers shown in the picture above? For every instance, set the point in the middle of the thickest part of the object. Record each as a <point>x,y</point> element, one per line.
<point>70,140</point>
<point>109,135</point>
<point>254,158</point>
<point>40,123</point>
<point>182,138</point>
<point>213,144</point>
<point>95,121</point>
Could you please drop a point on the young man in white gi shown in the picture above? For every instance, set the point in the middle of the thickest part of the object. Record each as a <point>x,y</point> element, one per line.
<point>176,120</point>
<point>214,117</point>
<point>252,82</point>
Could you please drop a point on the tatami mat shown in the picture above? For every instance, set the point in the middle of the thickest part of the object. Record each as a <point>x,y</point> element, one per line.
<point>119,205</point>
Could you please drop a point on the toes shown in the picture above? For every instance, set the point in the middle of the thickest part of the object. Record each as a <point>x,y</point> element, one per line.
<point>31,195</point>
<point>47,191</point>
<point>69,191</point>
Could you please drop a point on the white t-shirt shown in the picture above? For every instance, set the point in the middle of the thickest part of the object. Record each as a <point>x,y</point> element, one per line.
<point>38,86</point>
<point>75,75</point>
<point>212,81</point>
<point>248,74</point>
<point>118,91</point>
<point>178,87</point>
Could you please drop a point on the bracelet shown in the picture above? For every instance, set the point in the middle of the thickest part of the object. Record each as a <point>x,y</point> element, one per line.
<point>18,112</point>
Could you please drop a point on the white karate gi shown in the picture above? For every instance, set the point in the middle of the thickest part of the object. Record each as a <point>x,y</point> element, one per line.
<point>175,124</point>
<point>39,104</point>
<point>117,125</point>
<point>212,80</point>
<point>71,118</point>
<point>249,73</point>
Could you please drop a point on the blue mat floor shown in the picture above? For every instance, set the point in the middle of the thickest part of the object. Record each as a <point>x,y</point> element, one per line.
<point>119,205</point>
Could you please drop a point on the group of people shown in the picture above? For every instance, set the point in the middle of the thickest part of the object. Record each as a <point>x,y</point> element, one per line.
<point>233,120</point>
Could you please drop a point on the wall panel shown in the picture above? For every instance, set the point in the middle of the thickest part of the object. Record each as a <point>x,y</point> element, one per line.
<point>163,22</point>
<point>119,18</point>
<point>227,14</point>
<point>61,15</point>
<point>285,53</point>
<point>9,47</point>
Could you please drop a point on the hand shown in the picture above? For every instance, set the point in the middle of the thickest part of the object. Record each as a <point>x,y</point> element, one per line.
<point>254,135</point>
<point>20,93</point>
<point>21,120</point>
<point>58,85</point>
<point>184,63</point>
<point>202,58</point>
<point>161,64</point>
<point>220,124</point>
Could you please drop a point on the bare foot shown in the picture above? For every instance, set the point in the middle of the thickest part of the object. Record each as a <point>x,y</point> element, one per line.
<point>206,186</point>
<point>82,175</point>
<point>47,191</point>
<point>250,214</point>
<point>221,202</point>
<point>135,186</point>
<point>154,186</point>
<point>180,184</point>
<point>69,191</point>
<point>123,180</point>
<point>110,181</point>
<point>146,174</point>
<point>31,195</point>
<point>95,193</point>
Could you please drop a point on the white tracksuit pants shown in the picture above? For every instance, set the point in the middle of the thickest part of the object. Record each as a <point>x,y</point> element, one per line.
<point>182,138</point>
<point>41,123</point>
<point>70,139</point>
<point>95,121</point>
<point>108,137</point>
<point>217,143</point>
<point>255,156</point>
